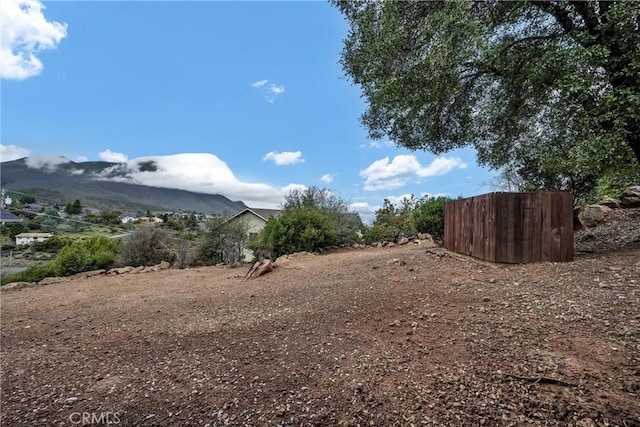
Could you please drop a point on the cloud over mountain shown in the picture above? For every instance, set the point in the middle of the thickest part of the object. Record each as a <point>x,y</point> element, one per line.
<point>198,172</point>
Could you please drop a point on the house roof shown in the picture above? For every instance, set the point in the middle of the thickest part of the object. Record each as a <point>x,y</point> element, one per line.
<point>263,214</point>
<point>6,216</point>
<point>34,235</point>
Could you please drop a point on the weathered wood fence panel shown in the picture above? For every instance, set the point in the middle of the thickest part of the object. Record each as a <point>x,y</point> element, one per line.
<point>512,227</point>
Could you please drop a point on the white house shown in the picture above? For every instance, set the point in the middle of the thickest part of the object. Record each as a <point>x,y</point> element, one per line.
<point>256,219</point>
<point>29,238</point>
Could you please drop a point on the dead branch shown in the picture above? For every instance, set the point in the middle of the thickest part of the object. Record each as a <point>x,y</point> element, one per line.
<point>540,380</point>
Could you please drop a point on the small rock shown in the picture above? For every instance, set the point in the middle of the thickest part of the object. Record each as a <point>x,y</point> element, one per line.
<point>16,286</point>
<point>592,215</point>
<point>631,197</point>
<point>610,202</point>
<point>586,422</point>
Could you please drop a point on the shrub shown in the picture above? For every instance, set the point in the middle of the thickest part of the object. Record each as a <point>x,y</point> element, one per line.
<point>297,230</point>
<point>428,216</point>
<point>12,229</point>
<point>85,255</point>
<point>35,273</point>
<point>147,245</point>
<point>223,241</point>
<point>391,222</point>
<point>347,224</point>
<point>52,245</point>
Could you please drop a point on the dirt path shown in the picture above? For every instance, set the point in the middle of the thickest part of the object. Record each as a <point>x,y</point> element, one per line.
<point>388,336</point>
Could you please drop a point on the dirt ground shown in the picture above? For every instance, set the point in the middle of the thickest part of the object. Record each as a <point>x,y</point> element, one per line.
<point>401,336</point>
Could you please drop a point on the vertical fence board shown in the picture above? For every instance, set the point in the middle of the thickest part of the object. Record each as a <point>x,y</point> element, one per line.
<point>512,227</point>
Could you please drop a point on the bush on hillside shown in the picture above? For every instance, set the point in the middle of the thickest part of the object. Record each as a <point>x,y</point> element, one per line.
<point>85,255</point>
<point>52,245</point>
<point>392,222</point>
<point>35,273</point>
<point>147,245</point>
<point>297,230</point>
<point>347,223</point>
<point>428,216</point>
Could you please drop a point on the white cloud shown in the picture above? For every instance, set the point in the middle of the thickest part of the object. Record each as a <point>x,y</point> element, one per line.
<point>366,211</point>
<point>385,175</point>
<point>271,91</point>
<point>275,89</point>
<point>377,144</point>
<point>46,163</point>
<point>12,152</point>
<point>198,172</point>
<point>82,159</point>
<point>363,207</point>
<point>398,200</point>
<point>25,32</point>
<point>113,157</point>
<point>284,158</point>
<point>327,178</point>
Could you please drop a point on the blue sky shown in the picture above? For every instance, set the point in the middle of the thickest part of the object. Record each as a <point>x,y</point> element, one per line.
<point>246,99</point>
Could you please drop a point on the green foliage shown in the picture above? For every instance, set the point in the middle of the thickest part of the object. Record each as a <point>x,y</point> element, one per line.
<point>35,273</point>
<point>182,223</point>
<point>547,89</point>
<point>615,183</point>
<point>296,230</point>
<point>105,218</point>
<point>428,216</point>
<point>392,222</point>
<point>223,240</point>
<point>183,246</point>
<point>52,245</point>
<point>85,255</point>
<point>49,220</point>
<point>347,223</point>
<point>74,208</point>
<point>147,245</point>
<point>12,229</point>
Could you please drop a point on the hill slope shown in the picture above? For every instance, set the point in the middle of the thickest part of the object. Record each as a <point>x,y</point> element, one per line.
<point>70,181</point>
<point>380,336</point>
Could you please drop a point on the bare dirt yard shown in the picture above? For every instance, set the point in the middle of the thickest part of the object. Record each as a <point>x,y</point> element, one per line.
<point>401,336</point>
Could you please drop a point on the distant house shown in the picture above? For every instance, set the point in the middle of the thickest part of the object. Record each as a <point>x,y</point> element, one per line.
<point>6,216</point>
<point>29,238</point>
<point>150,219</point>
<point>256,219</point>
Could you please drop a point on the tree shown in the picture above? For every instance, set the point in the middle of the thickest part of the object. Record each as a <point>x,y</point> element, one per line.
<point>392,222</point>
<point>12,229</point>
<point>49,220</point>
<point>223,240</point>
<point>296,230</point>
<point>347,223</point>
<point>147,245</point>
<point>74,208</point>
<point>428,216</point>
<point>546,88</point>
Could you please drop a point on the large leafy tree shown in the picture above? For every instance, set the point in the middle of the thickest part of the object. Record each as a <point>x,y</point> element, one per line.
<point>347,223</point>
<point>550,89</point>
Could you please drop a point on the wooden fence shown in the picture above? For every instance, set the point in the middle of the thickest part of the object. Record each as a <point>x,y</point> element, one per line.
<point>512,227</point>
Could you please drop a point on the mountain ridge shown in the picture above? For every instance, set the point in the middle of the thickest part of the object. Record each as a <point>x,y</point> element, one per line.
<point>101,185</point>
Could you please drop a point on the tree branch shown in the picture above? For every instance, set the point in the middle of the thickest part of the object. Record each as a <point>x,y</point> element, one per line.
<point>588,14</point>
